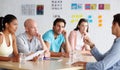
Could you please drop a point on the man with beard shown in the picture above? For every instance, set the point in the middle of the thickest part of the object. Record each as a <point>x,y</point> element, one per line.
<point>56,39</point>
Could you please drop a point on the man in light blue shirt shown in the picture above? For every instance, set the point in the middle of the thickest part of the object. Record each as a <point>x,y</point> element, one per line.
<point>111,59</point>
<point>56,39</point>
<point>30,41</point>
<point>55,43</point>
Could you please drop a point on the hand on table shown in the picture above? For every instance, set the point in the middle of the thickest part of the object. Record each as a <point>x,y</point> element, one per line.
<point>79,63</point>
<point>15,58</point>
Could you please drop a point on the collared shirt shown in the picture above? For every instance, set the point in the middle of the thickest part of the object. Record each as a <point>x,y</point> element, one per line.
<point>55,44</point>
<point>25,46</point>
<point>108,61</point>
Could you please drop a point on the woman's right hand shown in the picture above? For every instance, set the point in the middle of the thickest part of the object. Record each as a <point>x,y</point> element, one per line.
<point>15,58</point>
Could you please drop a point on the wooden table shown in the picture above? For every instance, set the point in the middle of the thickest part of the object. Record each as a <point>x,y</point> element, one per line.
<point>43,64</point>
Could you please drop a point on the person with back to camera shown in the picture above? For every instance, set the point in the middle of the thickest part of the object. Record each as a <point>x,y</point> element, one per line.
<point>111,59</point>
<point>56,38</point>
<point>8,47</point>
<point>76,37</point>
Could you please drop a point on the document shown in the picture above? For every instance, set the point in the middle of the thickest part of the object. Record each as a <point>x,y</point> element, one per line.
<point>30,57</point>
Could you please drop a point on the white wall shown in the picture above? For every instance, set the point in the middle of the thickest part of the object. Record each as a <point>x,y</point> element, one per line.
<point>100,35</point>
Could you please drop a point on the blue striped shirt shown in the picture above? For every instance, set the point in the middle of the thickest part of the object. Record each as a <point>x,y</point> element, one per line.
<point>108,61</point>
<point>25,46</point>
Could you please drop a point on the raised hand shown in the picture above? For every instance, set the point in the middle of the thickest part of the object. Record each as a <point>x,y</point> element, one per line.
<point>88,41</point>
<point>64,33</point>
<point>38,36</point>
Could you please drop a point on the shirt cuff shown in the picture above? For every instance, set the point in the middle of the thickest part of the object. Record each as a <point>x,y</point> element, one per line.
<point>88,65</point>
<point>93,50</point>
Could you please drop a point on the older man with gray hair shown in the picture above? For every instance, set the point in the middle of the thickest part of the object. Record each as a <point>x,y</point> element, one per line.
<point>30,41</point>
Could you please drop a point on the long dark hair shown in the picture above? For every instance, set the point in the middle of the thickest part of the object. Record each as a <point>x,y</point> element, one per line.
<point>79,23</point>
<point>7,19</point>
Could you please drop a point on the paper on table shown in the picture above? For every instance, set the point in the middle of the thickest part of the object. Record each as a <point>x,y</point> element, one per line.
<point>30,57</point>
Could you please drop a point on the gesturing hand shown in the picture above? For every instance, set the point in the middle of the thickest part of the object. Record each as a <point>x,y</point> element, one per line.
<point>88,41</point>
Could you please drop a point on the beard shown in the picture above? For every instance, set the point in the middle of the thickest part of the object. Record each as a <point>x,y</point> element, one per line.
<point>57,32</point>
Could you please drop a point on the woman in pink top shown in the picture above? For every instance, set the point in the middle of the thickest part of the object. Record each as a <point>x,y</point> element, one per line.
<point>76,36</point>
<point>8,49</point>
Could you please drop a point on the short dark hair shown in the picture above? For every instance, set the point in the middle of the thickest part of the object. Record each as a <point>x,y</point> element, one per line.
<point>116,18</point>
<point>7,19</point>
<point>59,20</point>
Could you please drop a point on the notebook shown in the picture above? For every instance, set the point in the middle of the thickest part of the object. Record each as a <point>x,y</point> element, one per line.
<point>30,57</point>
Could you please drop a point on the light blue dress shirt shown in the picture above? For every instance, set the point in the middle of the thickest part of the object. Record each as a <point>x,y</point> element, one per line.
<point>55,44</point>
<point>25,46</point>
<point>108,61</point>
